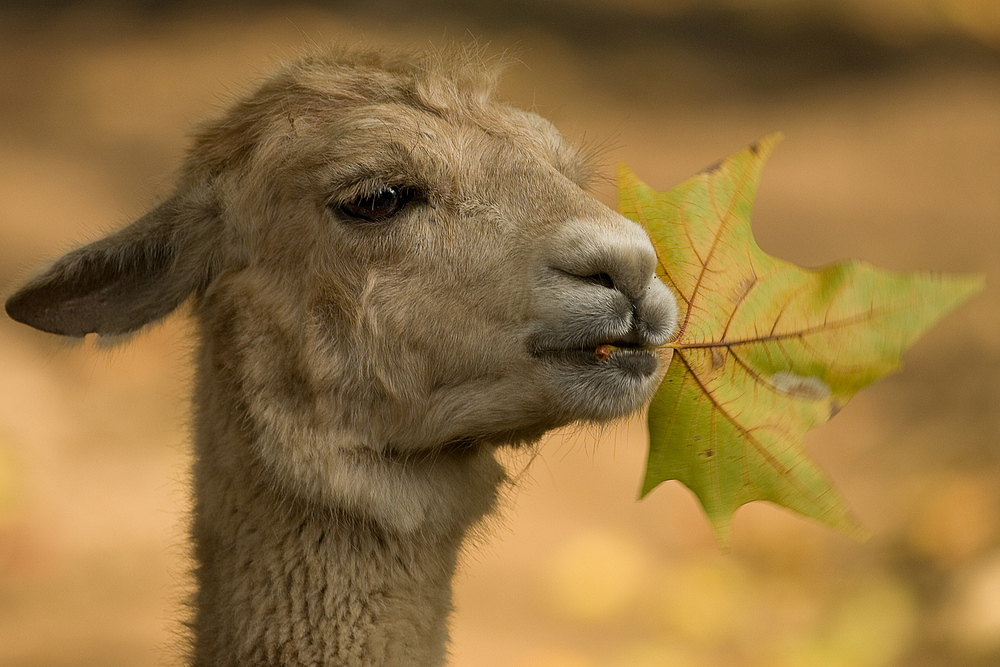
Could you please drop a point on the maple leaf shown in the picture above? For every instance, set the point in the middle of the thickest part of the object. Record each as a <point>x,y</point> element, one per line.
<point>766,350</point>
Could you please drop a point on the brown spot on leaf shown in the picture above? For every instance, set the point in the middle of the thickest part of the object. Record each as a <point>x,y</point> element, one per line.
<point>707,453</point>
<point>711,169</point>
<point>718,359</point>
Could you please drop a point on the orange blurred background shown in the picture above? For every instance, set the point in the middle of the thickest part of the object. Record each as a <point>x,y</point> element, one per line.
<point>892,114</point>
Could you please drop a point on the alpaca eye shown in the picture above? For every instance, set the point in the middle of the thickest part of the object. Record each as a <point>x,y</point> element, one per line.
<point>378,206</point>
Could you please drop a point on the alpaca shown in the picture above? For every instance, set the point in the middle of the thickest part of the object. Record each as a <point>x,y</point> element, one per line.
<point>392,275</point>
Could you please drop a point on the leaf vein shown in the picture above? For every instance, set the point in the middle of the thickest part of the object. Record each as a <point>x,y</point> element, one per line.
<point>759,447</point>
<point>723,223</point>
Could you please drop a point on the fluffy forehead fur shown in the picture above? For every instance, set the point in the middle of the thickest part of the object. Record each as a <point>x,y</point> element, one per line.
<point>347,91</point>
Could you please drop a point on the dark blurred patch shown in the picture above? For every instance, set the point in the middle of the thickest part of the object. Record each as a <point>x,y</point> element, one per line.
<point>753,49</point>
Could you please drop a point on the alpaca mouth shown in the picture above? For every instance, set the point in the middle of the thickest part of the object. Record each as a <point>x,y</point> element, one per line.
<point>605,351</point>
<point>632,353</point>
<point>634,360</point>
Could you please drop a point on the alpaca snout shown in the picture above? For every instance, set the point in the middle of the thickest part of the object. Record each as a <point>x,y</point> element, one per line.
<point>601,288</point>
<point>610,251</point>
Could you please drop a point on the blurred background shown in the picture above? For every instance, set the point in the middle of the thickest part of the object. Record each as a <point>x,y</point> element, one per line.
<point>892,114</point>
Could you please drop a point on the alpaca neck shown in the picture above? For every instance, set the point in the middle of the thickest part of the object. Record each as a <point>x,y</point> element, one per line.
<point>314,550</point>
<point>282,583</point>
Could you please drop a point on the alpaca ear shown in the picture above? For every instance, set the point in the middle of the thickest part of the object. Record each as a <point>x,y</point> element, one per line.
<point>126,280</point>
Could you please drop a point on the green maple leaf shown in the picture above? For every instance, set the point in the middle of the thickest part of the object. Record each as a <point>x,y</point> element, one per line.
<point>766,350</point>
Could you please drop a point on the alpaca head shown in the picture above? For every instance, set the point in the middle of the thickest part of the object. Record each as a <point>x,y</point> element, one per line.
<point>383,258</point>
